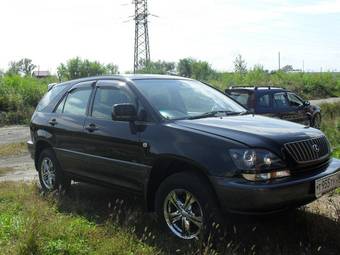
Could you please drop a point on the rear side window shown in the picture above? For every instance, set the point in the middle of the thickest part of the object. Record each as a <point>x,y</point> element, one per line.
<point>241,97</point>
<point>263,101</point>
<point>50,96</point>
<point>106,98</point>
<point>76,102</point>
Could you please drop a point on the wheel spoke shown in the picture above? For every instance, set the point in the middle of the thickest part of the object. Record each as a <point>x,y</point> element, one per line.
<point>197,220</point>
<point>176,218</point>
<point>174,201</point>
<point>189,200</point>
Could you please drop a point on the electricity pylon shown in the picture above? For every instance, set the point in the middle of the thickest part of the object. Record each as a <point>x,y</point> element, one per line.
<point>142,47</point>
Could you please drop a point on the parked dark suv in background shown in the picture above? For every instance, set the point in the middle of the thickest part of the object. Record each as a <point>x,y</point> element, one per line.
<point>189,150</point>
<point>277,102</point>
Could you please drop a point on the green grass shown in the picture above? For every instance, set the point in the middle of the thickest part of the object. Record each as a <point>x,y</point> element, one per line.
<point>93,220</point>
<point>331,125</point>
<point>30,224</point>
<point>14,149</point>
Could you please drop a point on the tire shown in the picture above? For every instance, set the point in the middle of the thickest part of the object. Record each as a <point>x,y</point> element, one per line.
<point>51,176</point>
<point>316,123</point>
<point>178,217</point>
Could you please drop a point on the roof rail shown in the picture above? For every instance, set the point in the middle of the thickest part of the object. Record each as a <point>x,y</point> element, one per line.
<point>50,86</point>
<point>253,87</point>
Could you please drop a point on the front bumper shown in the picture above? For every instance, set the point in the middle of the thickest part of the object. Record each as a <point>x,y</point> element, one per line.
<point>31,148</point>
<point>241,196</point>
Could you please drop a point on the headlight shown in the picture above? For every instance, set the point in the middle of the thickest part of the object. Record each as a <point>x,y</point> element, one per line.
<point>258,164</point>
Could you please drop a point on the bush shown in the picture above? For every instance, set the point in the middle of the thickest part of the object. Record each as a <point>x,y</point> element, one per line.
<point>19,96</point>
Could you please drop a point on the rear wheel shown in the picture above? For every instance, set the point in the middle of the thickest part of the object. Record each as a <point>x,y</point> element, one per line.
<point>186,206</point>
<point>51,176</point>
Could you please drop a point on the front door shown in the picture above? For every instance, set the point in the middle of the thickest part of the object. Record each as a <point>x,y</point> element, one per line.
<point>297,107</point>
<point>113,148</point>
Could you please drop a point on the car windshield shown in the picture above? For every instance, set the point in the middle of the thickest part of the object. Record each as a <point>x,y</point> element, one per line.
<point>180,99</point>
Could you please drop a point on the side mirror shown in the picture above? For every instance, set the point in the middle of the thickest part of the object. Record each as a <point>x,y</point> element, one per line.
<point>306,103</point>
<point>124,112</point>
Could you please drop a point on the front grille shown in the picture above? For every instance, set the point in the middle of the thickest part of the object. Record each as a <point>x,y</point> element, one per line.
<point>310,150</point>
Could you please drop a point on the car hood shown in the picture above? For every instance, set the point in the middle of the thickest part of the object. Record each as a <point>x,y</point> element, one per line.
<point>253,130</point>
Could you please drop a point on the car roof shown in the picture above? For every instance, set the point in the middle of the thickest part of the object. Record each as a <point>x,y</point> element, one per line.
<point>125,77</point>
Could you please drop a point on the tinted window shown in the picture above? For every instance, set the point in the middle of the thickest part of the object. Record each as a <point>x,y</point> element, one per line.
<point>49,96</point>
<point>293,100</point>
<point>76,102</point>
<point>279,100</point>
<point>60,106</point>
<point>241,97</point>
<point>263,101</point>
<point>106,98</point>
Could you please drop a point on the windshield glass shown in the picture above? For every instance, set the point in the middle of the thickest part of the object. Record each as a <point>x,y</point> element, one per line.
<point>176,99</point>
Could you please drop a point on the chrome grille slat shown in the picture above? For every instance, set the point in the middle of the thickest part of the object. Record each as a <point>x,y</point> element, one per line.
<point>299,154</point>
<point>304,157</point>
<point>313,149</point>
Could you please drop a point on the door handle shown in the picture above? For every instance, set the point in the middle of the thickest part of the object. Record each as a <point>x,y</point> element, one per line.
<point>91,127</point>
<point>53,122</point>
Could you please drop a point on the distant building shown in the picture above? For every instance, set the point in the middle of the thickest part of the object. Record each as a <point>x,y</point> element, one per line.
<point>41,74</point>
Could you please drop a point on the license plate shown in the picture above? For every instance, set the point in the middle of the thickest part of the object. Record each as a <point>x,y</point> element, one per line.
<point>327,184</point>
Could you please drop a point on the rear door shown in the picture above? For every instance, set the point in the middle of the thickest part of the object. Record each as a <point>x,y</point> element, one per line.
<point>69,127</point>
<point>112,148</point>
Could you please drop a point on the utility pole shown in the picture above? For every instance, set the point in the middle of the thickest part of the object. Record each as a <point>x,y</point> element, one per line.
<point>142,47</point>
<point>279,57</point>
<point>303,66</point>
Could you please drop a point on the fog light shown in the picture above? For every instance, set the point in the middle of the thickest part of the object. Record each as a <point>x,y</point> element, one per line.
<point>266,176</point>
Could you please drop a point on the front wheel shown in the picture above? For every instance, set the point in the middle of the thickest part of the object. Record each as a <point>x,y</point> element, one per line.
<point>186,206</point>
<point>51,176</point>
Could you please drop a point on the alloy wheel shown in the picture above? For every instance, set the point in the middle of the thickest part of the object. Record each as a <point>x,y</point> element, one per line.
<point>183,214</point>
<point>48,173</point>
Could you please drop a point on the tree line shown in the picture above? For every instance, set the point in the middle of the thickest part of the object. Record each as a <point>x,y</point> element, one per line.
<point>188,67</point>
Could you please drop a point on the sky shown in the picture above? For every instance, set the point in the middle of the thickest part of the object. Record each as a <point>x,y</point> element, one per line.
<point>52,31</point>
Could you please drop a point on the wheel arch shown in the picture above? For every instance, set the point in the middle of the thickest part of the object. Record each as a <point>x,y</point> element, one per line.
<point>166,166</point>
<point>39,147</point>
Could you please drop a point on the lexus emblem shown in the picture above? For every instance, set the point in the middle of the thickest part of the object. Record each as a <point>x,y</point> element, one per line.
<point>315,148</point>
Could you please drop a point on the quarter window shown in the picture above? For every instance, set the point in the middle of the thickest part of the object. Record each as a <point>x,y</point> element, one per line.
<point>106,98</point>
<point>76,102</point>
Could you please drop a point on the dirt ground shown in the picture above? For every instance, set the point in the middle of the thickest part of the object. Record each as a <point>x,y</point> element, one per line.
<point>22,166</point>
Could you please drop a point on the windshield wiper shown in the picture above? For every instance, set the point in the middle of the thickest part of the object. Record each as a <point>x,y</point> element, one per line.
<point>215,114</point>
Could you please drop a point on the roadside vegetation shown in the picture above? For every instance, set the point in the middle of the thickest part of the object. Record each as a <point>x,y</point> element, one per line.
<point>20,92</point>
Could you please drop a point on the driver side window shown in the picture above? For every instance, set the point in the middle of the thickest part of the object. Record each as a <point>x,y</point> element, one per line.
<point>293,100</point>
<point>105,98</point>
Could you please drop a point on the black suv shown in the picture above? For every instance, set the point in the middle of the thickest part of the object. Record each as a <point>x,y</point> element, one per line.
<point>186,148</point>
<point>277,102</point>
